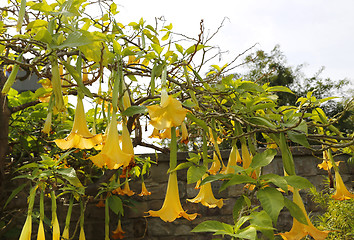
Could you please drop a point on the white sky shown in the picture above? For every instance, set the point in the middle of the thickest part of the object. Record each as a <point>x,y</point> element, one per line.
<point>316,32</point>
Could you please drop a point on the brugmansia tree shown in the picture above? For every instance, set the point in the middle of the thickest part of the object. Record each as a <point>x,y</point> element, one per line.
<point>140,72</point>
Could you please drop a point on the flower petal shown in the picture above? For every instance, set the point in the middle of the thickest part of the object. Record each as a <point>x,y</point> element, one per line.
<point>172,208</point>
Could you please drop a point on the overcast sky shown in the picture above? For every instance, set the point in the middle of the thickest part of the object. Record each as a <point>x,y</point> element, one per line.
<point>315,32</point>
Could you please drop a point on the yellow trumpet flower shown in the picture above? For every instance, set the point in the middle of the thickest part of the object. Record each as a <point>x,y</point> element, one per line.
<point>127,145</point>
<point>169,113</point>
<point>217,160</point>
<point>215,166</point>
<point>65,234</point>
<point>163,135</point>
<point>246,156</point>
<point>126,190</point>
<point>326,163</point>
<point>56,228</point>
<point>144,191</point>
<point>184,139</point>
<point>47,124</point>
<point>27,229</point>
<point>82,234</point>
<point>126,100</point>
<point>40,235</point>
<point>299,230</point>
<point>342,192</point>
<point>206,196</point>
<point>118,233</point>
<point>80,136</point>
<point>172,208</point>
<point>234,158</point>
<point>111,155</point>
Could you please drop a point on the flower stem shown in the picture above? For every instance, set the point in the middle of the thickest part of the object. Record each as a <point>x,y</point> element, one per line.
<point>106,220</point>
<point>173,149</point>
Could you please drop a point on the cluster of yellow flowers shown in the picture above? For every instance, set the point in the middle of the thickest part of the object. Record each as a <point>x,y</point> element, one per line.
<point>116,152</point>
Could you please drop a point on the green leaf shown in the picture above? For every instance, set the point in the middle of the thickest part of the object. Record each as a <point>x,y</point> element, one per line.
<point>216,177</point>
<point>262,222</point>
<point>246,233</point>
<point>28,165</point>
<point>181,166</point>
<point>250,86</point>
<point>14,193</point>
<point>237,179</point>
<point>295,211</point>
<point>213,226</point>
<point>262,121</point>
<point>132,110</point>
<point>115,204</point>
<point>262,106</point>
<point>169,27</point>
<point>167,35</point>
<point>158,49</point>
<point>77,77</point>
<point>299,138</point>
<point>44,36</point>
<point>278,89</point>
<point>70,175</point>
<point>194,158</point>
<point>272,202</point>
<point>287,157</point>
<point>302,127</point>
<point>76,39</point>
<point>192,49</point>
<point>264,158</point>
<point>195,173</point>
<point>179,48</point>
<point>240,202</point>
<point>298,182</point>
<point>276,180</point>
<point>198,121</point>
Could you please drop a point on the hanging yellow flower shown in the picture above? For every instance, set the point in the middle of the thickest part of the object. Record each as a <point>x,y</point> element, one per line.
<point>326,163</point>
<point>127,145</point>
<point>184,130</point>
<point>299,230</point>
<point>118,233</point>
<point>234,158</point>
<point>169,113</point>
<point>172,208</point>
<point>56,228</point>
<point>217,160</point>
<point>246,156</point>
<point>144,191</point>
<point>48,122</point>
<point>27,229</point>
<point>342,192</point>
<point>126,190</point>
<point>65,234</point>
<point>163,135</point>
<point>215,166</point>
<point>40,234</point>
<point>126,100</point>
<point>100,204</point>
<point>111,155</point>
<point>80,136</point>
<point>82,234</point>
<point>206,196</point>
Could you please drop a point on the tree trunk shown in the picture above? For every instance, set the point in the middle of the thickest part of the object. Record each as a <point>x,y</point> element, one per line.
<point>4,128</point>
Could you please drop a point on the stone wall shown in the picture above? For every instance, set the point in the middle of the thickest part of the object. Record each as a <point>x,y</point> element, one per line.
<point>137,226</point>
